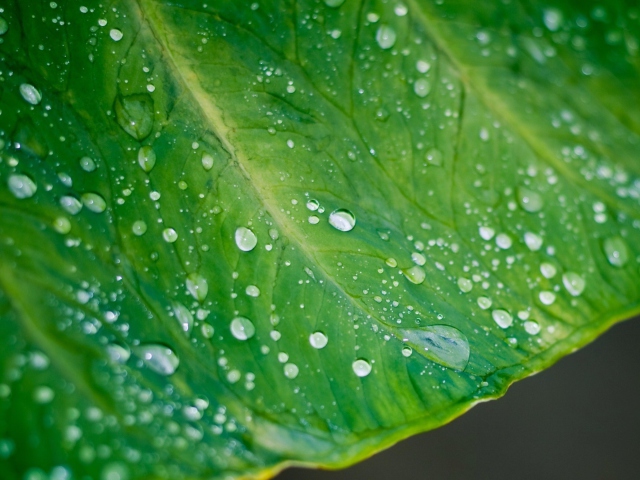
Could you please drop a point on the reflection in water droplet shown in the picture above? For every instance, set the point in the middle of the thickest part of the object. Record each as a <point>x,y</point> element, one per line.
<point>533,241</point>
<point>159,358</point>
<point>361,367</point>
<point>547,297</point>
<point>94,202</point>
<point>87,164</point>
<point>529,200</point>
<point>70,204</point>
<point>616,251</point>
<point>502,318</point>
<point>415,274</point>
<point>30,94</point>
<point>532,327</point>
<point>422,87</point>
<point>146,158</point>
<point>246,240</point>
<point>21,186</point>
<point>134,114</point>
<point>291,370</point>
<point>318,340</point>
<point>183,316</point>
<point>465,284</point>
<point>342,220</point>
<point>242,328</point>
<point>442,344</point>
<point>169,235</point>
<point>574,283</point>
<point>197,286</point>
<point>139,228</point>
<point>548,270</point>
<point>386,37</point>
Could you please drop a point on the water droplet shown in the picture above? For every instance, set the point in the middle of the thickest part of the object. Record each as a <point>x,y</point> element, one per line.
<point>4,26</point>
<point>159,358</point>
<point>502,318</point>
<point>134,114</point>
<point>400,10</point>
<point>87,164</point>
<point>616,251</point>
<point>361,367</point>
<point>484,303</point>
<point>552,18</point>
<point>548,270</point>
<point>391,262</point>
<point>407,351</point>
<point>242,328</point>
<point>30,94</point>
<point>546,297</point>
<point>386,37</point>
<point>70,204</point>
<point>252,291</point>
<point>423,66</point>
<point>115,34</point>
<point>94,202</point>
<point>342,220</point>
<point>529,200</point>
<point>118,353</point>
<point>146,158</point>
<point>207,330</point>
<point>415,274</point>
<point>291,370</point>
<point>314,220</point>
<point>43,395</point>
<point>21,186</point>
<point>533,241</point>
<point>434,157</point>
<point>418,258</point>
<point>318,340</point>
<point>442,344</point>
<point>333,3</point>
<point>313,205</point>
<point>574,283</point>
<point>246,240</point>
<point>207,161</point>
<point>504,241</point>
<point>183,316</point>
<point>465,284</point>
<point>486,233</point>
<point>62,225</point>
<point>197,286</point>
<point>169,235</point>
<point>139,228</point>
<point>532,327</point>
<point>422,87</point>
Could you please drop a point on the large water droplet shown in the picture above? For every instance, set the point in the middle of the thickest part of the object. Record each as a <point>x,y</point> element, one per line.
<point>486,233</point>
<point>502,318</point>
<point>207,161</point>
<point>616,251</point>
<point>422,87</point>
<point>116,35</point>
<point>361,367</point>
<point>484,303</point>
<point>529,200</point>
<point>94,202</point>
<point>246,240</point>
<point>532,327</point>
<point>71,204</point>
<point>87,164</point>
<point>533,241</point>
<point>30,94</point>
<point>504,241</point>
<point>169,235</point>
<point>242,328</point>
<point>442,344</point>
<point>547,297</point>
<point>318,340</point>
<point>574,283</point>
<point>386,37</point>
<point>197,286</point>
<point>552,18</point>
<point>159,358</point>
<point>146,158</point>
<point>4,26</point>
<point>62,225</point>
<point>342,220</point>
<point>118,353</point>
<point>465,284</point>
<point>134,114</point>
<point>139,228</point>
<point>415,274</point>
<point>183,316</point>
<point>21,186</point>
<point>291,370</point>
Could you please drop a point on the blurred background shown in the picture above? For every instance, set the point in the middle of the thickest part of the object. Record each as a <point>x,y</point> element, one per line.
<point>580,419</point>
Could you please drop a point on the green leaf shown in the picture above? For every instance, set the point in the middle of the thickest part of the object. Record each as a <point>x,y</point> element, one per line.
<point>235,237</point>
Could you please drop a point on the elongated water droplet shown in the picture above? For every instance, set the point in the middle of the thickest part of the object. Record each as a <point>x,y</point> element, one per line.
<point>87,164</point>
<point>139,228</point>
<point>197,286</point>
<point>442,344</point>
<point>361,367</point>
<point>422,87</point>
<point>30,94</point>
<point>21,186</point>
<point>529,200</point>
<point>146,158</point>
<point>291,370</point>
<point>62,225</point>
<point>548,270</point>
<point>574,283</point>
<point>502,318</point>
<point>169,235</point>
<point>342,220</point>
<point>246,240</point>
<point>242,328</point>
<point>465,285</point>
<point>118,353</point>
<point>70,204</point>
<point>159,358</point>
<point>183,316</point>
<point>533,241</point>
<point>134,114</point>
<point>318,340</point>
<point>415,274</point>
<point>616,251</point>
<point>94,202</point>
<point>386,37</point>
<point>406,351</point>
<point>207,161</point>
<point>418,258</point>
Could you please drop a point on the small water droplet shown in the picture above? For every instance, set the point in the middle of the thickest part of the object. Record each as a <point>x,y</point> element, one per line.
<point>434,157</point>
<point>139,228</point>
<point>252,291</point>
<point>87,164</point>
<point>94,202</point>
<point>386,37</point>
<point>115,34</point>
<point>361,367</point>
<point>532,327</point>
<point>415,274</point>
<point>62,225</point>
<point>21,186</point>
<point>502,318</point>
<point>422,87</point>
<point>442,344</point>
<point>318,340</point>
<point>616,251</point>
<point>146,158</point>
<point>423,66</point>
<point>529,200</point>
<point>242,328</point>
<point>546,297</point>
<point>574,283</point>
<point>159,358</point>
<point>30,94</point>
<point>313,205</point>
<point>342,220</point>
<point>407,351</point>
<point>533,241</point>
<point>246,240</point>
<point>183,316</point>
<point>484,303</point>
<point>169,235</point>
<point>70,204</point>
<point>207,161</point>
<point>207,330</point>
<point>291,371</point>
<point>465,284</point>
<point>197,286</point>
<point>548,270</point>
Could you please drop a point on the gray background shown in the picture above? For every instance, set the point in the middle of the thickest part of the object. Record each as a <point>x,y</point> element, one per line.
<point>578,420</point>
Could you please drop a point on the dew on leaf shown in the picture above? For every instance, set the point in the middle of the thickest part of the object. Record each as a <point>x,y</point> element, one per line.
<point>313,205</point>
<point>533,241</point>
<point>504,241</point>
<point>183,316</point>
<point>415,274</point>
<point>422,87</point>
<point>159,358</point>
<point>207,330</point>
<point>94,202</point>
<point>30,94</point>
<point>386,37</point>
<point>418,258</point>
<point>139,228</point>
<point>423,66</point>
<point>465,285</point>
<point>87,164</point>
<point>291,370</point>
<point>529,200</point>
<point>532,327</point>
<point>616,251</point>
<point>547,297</point>
<point>434,157</point>
<point>242,328</point>
<point>548,270</point>
<point>442,344</point>
<point>146,158</point>
<point>43,394</point>
<point>115,34</point>
<point>62,225</point>
<point>21,186</point>
<point>207,161</point>
<point>70,204</point>
<point>486,233</point>
<point>252,291</point>
<point>342,220</point>
<point>484,303</point>
<point>118,353</point>
<point>574,283</point>
<point>318,340</point>
<point>246,240</point>
<point>361,367</point>
<point>391,262</point>
<point>406,351</point>
<point>4,26</point>
<point>333,3</point>
<point>169,235</point>
<point>134,114</point>
<point>502,318</point>
<point>197,286</point>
